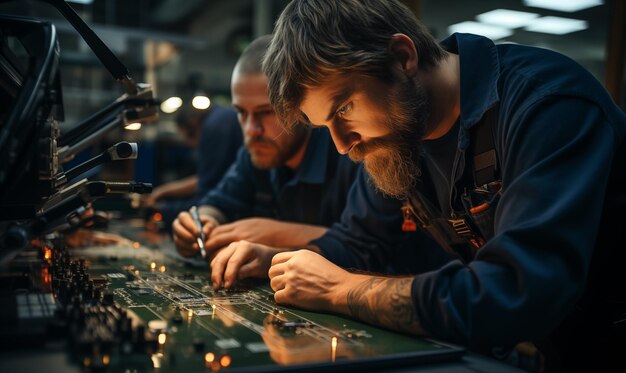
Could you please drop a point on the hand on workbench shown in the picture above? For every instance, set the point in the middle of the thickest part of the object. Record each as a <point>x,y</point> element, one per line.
<point>186,232</point>
<point>306,279</point>
<point>264,231</point>
<point>240,260</point>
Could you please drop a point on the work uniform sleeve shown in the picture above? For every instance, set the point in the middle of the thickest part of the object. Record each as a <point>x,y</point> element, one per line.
<point>556,159</point>
<point>234,195</point>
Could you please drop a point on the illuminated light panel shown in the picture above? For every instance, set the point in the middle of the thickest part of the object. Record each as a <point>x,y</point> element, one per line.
<point>569,6</point>
<point>489,31</point>
<point>556,25</point>
<point>201,102</point>
<point>172,104</point>
<point>135,126</point>
<point>507,18</point>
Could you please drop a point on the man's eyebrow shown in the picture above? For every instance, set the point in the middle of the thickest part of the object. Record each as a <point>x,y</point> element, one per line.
<point>256,108</point>
<point>264,107</point>
<point>339,98</point>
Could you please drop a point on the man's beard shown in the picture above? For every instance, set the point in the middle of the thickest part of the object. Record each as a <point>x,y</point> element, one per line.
<point>280,155</point>
<point>393,161</point>
<point>266,161</point>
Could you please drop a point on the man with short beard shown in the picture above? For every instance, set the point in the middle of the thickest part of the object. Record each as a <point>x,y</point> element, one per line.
<point>510,157</point>
<point>284,189</point>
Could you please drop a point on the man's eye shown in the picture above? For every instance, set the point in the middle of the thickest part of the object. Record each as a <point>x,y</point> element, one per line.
<point>345,109</point>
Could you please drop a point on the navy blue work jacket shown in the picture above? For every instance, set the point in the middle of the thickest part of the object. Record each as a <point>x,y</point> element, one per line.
<point>220,140</point>
<point>560,144</point>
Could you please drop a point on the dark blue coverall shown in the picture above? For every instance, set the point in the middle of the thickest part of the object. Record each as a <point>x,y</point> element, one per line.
<point>554,266</point>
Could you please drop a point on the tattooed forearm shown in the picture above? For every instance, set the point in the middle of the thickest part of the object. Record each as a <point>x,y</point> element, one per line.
<point>385,302</point>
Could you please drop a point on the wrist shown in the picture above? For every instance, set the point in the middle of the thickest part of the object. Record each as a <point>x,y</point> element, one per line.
<point>339,295</point>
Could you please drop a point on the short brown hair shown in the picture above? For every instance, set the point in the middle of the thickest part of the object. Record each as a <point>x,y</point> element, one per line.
<point>315,40</point>
<point>251,58</point>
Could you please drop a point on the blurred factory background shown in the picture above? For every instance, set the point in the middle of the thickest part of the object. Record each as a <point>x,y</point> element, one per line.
<point>187,49</point>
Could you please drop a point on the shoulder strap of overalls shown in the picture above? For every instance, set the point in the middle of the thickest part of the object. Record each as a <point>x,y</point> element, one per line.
<point>482,154</point>
<point>483,149</point>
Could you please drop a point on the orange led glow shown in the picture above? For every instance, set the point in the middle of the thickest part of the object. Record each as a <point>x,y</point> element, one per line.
<point>157,216</point>
<point>162,269</point>
<point>152,266</point>
<point>46,278</point>
<point>106,360</point>
<point>87,361</point>
<point>225,361</point>
<point>209,357</point>
<point>136,245</point>
<point>47,253</point>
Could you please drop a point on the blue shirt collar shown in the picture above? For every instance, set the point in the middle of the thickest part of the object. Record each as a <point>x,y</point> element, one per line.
<point>480,71</point>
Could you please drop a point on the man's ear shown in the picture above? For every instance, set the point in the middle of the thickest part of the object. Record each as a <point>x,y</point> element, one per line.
<point>405,54</point>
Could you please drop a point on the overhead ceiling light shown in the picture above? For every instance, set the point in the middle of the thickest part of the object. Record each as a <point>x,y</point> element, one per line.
<point>85,2</point>
<point>563,5</point>
<point>489,31</point>
<point>556,25</point>
<point>201,102</point>
<point>133,126</point>
<point>171,105</point>
<point>507,18</point>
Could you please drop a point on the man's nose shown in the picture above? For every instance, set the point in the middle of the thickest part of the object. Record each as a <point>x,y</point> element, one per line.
<point>253,126</point>
<point>344,141</point>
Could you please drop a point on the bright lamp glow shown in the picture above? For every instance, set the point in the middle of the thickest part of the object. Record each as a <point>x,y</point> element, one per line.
<point>507,18</point>
<point>171,105</point>
<point>556,25</point>
<point>564,5</point>
<point>201,102</point>
<point>489,31</point>
<point>133,126</point>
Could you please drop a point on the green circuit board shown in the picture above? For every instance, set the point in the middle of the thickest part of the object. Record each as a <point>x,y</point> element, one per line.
<point>242,328</point>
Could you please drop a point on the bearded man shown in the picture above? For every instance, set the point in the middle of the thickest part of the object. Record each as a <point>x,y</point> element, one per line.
<point>510,157</point>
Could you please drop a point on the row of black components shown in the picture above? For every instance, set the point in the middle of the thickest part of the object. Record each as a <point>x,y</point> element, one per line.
<point>99,330</point>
